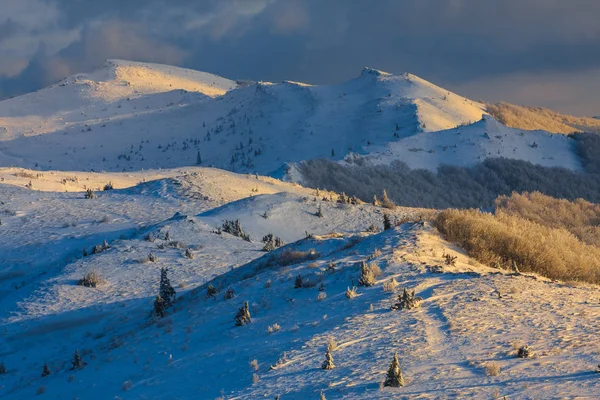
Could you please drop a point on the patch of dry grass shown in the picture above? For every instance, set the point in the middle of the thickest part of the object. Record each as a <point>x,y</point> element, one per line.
<point>499,240</point>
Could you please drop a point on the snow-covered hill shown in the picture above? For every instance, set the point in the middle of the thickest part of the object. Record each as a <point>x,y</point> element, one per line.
<point>131,116</point>
<point>471,319</point>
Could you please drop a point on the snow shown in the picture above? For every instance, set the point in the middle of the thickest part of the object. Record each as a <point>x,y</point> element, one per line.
<point>470,316</point>
<point>132,116</point>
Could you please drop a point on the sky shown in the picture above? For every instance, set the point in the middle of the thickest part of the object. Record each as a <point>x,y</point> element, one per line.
<point>531,52</point>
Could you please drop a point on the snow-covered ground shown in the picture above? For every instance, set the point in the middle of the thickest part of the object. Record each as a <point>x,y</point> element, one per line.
<point>471,316</point>
<point>132,116</point>
<point>152,122</point>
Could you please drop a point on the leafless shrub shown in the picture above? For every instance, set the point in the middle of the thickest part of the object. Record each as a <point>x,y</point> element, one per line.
<point>254,365</point>
<point>274,328</point>
<point>91,279</point>
<point>351,293</point>
<point>492,368</point>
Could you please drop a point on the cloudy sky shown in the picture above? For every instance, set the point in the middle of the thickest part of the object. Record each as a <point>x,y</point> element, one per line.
<point>538,52</point>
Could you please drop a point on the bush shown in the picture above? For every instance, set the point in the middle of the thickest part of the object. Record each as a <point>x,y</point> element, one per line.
<point>273,328</point>
<point>108,186</point>
<point>89,194</point>
<point>579,217</point>
<point>90,279</point>
<point>390,285</point>
<point>524,352</point>
<point>407,301</point>
<point>492,369</point>
<point>503,239</point>
<point>351,293</point>
<point>235,228</point>
<point>243,315</point>
<point>367,277</point>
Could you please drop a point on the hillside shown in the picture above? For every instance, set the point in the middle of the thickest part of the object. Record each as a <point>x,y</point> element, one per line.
<point>539,118</point>
<point>196,351</point>
<point>131,116</point>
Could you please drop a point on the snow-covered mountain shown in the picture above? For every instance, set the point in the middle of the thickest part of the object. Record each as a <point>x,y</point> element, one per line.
<point>132,116</point>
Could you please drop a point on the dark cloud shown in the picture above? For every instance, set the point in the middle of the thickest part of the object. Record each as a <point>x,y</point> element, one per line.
<point>451,42</point>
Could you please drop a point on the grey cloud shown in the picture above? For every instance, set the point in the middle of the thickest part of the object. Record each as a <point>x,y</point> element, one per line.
<point>451,42</point>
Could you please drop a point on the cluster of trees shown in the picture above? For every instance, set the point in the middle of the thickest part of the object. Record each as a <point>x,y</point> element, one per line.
<point>460,187</point>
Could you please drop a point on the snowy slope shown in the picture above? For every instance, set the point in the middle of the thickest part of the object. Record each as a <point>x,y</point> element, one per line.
<point>129,116</point>
<point>468,145</point>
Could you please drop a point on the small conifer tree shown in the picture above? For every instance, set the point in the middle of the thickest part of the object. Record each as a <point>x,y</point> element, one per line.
<point>159,307</point>
<point>89,194</point>
<point>387,222</point>
<point>367,277</point>
<point>2,368</point>
<point>211,291</point>
<point>322,396</point>
<point>394,376</point>
<point>198,158</point>
<point>298,282</point>
<point>77,362</point>
<point>243,315</point>
<point>386,202</point>
<point>328,363</point>
<point>166,290</point>
<point>189,254</point>
<point>319,212</point>
<point>46,371</point>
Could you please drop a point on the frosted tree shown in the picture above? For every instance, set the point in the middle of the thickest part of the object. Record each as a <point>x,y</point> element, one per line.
<point>159,307</point>
<point>298,282</point>
<point>407,300</point>
<point>367,277</point>
<point>328,363</point>
<point>387,222</point>
<point>319,212</point>
<point>211,291</point>
<point>243,315</point>
<point>322,396</point>
<point>394,376</point>
<point>167,293</point>
<point>78,362</point>
<point>46,370</point>
<point>198,158</point>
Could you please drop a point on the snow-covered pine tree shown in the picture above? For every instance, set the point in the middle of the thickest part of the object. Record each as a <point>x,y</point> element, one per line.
<point>298,282</point>
<point>77,362</point>
<point>322,396</point>
<point>367,277</point>
<point>387,222</point>
<point>159,307</point>
<point>211,291</point>
<point>243,315</point>
<point>328,363</point>
<point>166,290</point>
<point>319,212</point>
<point>46,371</point>
<point>394,376</point>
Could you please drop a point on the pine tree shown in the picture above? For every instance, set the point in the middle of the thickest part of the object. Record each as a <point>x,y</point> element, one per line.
<point>407,300</point>
<point>319,212</point>
<point>78,362</point>
<point>366,278</point>
<point>328,363</point>
<point>394,376</point>
<point>387,222</point>
<point>159,307</point>
<point>198,158</point>
<point>46,371</point>
<point>211,291</point>
<point>167,293</point>
<point>2,368</point>
<point>243,315</point>
<point>298,282</point>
